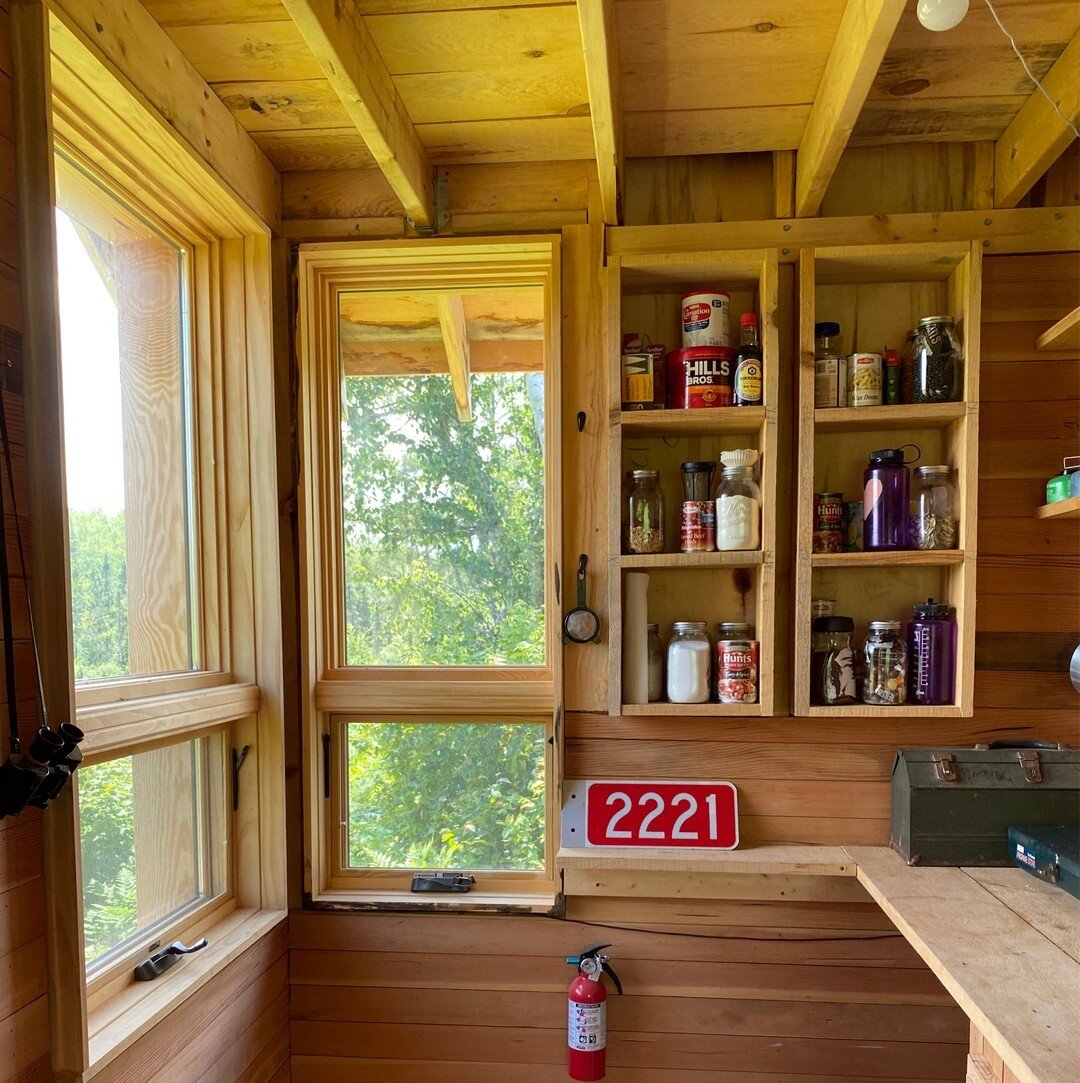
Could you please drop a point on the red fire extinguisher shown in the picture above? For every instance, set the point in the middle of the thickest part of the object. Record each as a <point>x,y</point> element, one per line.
<point>586,1056</point>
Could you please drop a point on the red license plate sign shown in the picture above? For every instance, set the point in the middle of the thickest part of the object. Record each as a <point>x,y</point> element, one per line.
<point>689,814</point>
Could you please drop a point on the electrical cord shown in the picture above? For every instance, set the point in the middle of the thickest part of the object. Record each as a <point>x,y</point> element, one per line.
<point>1030,73</point>
<point>710,936</point>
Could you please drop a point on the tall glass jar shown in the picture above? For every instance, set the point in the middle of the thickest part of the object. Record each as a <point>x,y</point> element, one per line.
<point>937,363</point>
<point>935,516</point>
<point>885,654</point>
<point>688,656</point>
<point>832,665</point>
<point>645,521</point>
<point>738,502</point>
<point>656,663</point>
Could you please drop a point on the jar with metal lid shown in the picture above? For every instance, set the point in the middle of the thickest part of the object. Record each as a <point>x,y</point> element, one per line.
<point>937,363</point>
<point>832,664</point>
<point>886,664</point>
<point>935,521</point>
<point>645,521</point>
<point>688,657</point>
<point>656,663</point>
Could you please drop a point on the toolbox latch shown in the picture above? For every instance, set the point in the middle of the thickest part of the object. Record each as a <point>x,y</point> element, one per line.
<point>945,766</point>
<point>1029,761</point>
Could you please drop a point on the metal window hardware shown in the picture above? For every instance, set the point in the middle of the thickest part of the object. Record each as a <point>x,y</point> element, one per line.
<point>237,762</point>
<point>165,959</point>
<point>945,766</point>
<point>1029,761</point>
<point>441,217</point>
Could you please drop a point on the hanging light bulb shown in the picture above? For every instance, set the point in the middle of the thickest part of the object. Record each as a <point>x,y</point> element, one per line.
<point>941,14</point>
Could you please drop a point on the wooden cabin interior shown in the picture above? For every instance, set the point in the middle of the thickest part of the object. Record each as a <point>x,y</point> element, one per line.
<point>327,604</point>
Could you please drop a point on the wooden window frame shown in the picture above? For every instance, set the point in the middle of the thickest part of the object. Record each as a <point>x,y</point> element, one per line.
<point>69,97</point>
<point>334,689</point>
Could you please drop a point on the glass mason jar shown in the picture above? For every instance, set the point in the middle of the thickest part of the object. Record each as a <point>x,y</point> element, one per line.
<point>937,363</point>
<point>656,663</point>
<point>738,503</point>
<point>832,665</point>
<point>935,520</point>
<point>885,653</point>
<point>645,522</point>
<point>688,656</point>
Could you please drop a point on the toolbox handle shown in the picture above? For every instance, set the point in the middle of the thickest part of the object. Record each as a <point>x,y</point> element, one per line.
<point>1047,746</point>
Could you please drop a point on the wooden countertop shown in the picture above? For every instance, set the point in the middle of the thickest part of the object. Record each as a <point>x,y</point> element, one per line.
<point>1005,946</point>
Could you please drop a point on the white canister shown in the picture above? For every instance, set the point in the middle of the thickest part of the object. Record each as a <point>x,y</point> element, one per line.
<point>706,319</point>
<point>689,656</point>
<point>864,379</point>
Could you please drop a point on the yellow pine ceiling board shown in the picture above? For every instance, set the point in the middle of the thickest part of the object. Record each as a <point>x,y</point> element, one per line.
<point>277,106</point>
<point>714,131</point>
<point>212,12</point>
<point>943,120</point>
<point>239,52</point>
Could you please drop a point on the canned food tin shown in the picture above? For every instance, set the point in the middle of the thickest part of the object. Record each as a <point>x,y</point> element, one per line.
<point>828,511</point>
<point>692,538</point>
<point>643,385</point>
<point>828,541</point>
<point>708,524</point>
<point>700,376</point>
<point>736,664</point>
<point>853,526</point>
<point>864,379</point>
<point>706,319</point>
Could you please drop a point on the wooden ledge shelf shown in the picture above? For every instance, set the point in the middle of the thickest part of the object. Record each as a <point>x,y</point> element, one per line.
<point>868,710</point>
<point>935,415</point>
<point>1060,509</point>
<point>690,710</point>
<point>756,860</point>
<point>681,561</point>
<point>930,558</point>
<point>1064,335</point>
<point>734,420</point>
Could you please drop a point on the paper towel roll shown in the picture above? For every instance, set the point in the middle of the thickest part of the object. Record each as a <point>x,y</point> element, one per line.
<point>635,639</point>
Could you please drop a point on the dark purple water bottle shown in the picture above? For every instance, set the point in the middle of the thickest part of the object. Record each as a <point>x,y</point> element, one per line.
<point>931,640</point>
<point>885,500</point>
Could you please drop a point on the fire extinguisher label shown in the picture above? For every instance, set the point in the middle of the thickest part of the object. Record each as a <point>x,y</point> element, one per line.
<point>588,1026</point>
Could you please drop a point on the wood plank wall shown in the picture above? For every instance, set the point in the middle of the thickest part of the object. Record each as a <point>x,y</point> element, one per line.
<point>237,1029</point>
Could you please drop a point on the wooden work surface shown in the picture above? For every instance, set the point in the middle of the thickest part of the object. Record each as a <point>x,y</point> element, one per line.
<point>1003,944</point>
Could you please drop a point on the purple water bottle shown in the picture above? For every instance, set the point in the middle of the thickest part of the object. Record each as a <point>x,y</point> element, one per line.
<point>931,640</point>
<point>885,500</point>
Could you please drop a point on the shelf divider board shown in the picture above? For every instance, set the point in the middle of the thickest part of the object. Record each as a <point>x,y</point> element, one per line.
<point>676,561</point>
<point>957,270</point>
<point>1069,508</point>
<point>1064,335</point>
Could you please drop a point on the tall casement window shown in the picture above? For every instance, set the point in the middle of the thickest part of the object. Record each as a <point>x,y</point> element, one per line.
<point>156,555</point>
<point>430,398</point>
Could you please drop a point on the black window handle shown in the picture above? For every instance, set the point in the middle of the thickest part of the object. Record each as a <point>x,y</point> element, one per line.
<point>163,960</point>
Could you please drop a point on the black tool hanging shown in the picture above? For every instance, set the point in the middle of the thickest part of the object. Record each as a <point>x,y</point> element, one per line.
<point>38,775</point>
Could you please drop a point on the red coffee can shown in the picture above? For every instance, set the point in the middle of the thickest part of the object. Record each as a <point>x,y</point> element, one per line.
<point>700,376</point>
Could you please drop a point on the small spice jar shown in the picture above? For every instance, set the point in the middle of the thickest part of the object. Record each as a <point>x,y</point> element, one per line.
<point>688,656</point>
<point>832,664</point>
<point>645,522</point>
<point>937,364</point>
<point>885,654</point>
<point>934,522</point>
<point>656,663</point>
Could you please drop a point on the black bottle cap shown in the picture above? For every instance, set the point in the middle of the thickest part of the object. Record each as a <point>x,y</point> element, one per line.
<point>930,608</point>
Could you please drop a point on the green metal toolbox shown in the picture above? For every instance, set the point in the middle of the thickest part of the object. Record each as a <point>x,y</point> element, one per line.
<point>1050,853</point>
<point>954,806</point>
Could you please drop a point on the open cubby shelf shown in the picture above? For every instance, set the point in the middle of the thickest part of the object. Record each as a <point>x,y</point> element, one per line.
<point>877,293</point>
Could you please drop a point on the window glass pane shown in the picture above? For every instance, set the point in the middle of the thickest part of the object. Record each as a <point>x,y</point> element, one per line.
<point>127,449</point>
<point>458,795</point>
<point>443,517</point>
<point>153,839</point>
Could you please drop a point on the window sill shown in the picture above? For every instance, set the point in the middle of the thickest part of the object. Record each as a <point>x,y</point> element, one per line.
<point>405,901</point>
<point>119,1023</point>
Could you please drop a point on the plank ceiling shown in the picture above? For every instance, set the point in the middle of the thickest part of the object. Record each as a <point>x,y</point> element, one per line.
<point>486,83</point>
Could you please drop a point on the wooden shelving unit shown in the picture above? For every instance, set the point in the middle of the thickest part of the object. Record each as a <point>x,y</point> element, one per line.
<point>1068,508</point>
<point>876,294</point>
<point>644,294</point>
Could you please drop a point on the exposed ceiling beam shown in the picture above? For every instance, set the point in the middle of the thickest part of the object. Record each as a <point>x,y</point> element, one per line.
<point>1037,135</point>
<point>865,31</point>
<point>346,52</point>
<point>455,333</point>
<point>397,357</point>
<point>597,18</point>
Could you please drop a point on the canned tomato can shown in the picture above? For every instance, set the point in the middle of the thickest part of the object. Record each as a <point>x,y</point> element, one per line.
<point>692,528</point>
<point>828,541</point>
<point>736,664</point>
<point>865,379</point>
<point>706,319</point>
<point>701,376</point>
<point>853,526</point>
<point>828,511</point>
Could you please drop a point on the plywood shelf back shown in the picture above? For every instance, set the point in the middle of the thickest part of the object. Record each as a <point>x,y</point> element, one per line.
<point>890,263</point>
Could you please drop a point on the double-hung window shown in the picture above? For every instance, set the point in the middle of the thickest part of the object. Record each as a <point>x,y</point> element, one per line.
<point>430,394</point>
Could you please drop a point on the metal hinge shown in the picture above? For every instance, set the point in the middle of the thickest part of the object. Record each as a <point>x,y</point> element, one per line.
<point>1029,761</point>
<point>441,218</point>
<point>945,766</point>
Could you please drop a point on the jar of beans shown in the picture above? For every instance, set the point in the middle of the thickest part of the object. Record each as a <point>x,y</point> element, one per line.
<point>645,518</point>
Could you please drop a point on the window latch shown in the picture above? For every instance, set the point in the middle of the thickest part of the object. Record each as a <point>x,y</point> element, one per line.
<point>237,762</point>
<point>442,881</point>
<point>165,959</point>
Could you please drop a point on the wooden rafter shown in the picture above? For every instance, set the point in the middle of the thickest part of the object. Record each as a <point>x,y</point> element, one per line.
<point>1037,135</point>
<point>346,52</point>
<point>601,70</point>
<point>397,357</point>
<point>865,32</point>
<point>455,333</point>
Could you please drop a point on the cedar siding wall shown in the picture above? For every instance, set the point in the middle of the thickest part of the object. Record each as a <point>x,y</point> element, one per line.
<point>797,980</point>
